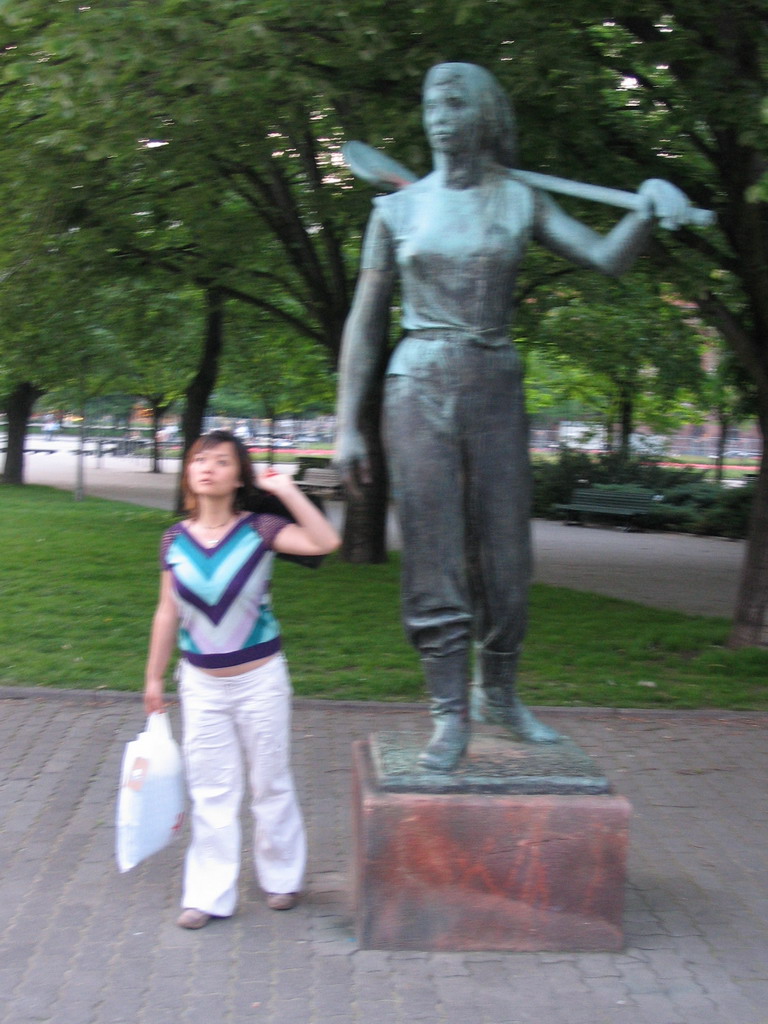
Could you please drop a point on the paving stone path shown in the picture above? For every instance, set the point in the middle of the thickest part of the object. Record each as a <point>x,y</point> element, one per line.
<point>83,944</point>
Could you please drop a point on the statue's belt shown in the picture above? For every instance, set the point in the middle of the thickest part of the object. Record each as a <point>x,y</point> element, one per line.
<point>459,335</point>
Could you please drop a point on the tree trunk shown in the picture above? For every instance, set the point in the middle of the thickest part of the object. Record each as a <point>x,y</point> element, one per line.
<point>750,628</point>
<point>18,409</point>
<point>610,432</point>
<point>626,418</point>
<point>271,443</point>
<point>202,384</point>
<point>204,381</point>
<point>723,422</point>
<point>159,409</point>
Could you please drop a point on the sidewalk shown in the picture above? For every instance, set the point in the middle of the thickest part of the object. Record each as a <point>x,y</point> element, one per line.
<point>83,944</point>
<point>697,575</point>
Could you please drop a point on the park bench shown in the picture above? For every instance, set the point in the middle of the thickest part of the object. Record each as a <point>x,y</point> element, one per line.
<point>35,451</point>
<point>624,503</point>
<point>104,449</point>
<point>321,483</point>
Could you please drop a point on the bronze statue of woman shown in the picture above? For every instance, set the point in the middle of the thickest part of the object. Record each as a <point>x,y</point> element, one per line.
<point>455,429</point>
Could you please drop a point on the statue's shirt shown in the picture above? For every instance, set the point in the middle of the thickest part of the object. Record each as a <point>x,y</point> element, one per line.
<point>457,252</point>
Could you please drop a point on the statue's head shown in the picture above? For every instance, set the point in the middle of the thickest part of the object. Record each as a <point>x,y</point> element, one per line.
<point>498,129</point>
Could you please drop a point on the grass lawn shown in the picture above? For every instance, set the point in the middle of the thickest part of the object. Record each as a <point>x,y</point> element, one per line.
<point>79,581</point>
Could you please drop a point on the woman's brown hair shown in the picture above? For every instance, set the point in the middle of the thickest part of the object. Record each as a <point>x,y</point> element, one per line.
<point>245,492</point>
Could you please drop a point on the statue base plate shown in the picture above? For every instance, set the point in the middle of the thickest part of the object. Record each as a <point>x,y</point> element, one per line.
<point>474,860</point>
<point>494,764</point>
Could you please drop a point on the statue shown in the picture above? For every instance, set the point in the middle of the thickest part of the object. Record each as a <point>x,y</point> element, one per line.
<point>454,423</point>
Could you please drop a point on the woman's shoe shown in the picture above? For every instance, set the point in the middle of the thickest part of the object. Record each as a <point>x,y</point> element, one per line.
<point>191,918</point>
<point>282,900</point>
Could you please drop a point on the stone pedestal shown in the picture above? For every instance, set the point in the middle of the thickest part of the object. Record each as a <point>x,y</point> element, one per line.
<point>524,848</point>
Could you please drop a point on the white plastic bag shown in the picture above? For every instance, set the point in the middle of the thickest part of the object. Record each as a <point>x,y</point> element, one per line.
<point>151,799</point>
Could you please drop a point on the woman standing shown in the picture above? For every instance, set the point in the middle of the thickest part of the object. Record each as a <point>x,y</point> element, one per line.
<point>455,429</point>
<point>234,687</point>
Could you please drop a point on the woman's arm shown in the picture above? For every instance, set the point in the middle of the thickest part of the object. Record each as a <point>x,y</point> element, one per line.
<point>615,252</point>
<point>311,534</point>
<point>162,643</point>
<point>362,343</point>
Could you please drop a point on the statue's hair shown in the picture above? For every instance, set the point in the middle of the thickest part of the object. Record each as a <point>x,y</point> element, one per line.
<point>499,128</point>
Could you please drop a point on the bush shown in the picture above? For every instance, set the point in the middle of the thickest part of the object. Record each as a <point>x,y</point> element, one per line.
<point>555,479</point>
<point>707,509</point>
<point>693,495</point>
<point>687,502</point>
<point>729,516</point>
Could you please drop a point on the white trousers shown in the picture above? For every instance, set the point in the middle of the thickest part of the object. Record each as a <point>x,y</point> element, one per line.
<point>229,720</point>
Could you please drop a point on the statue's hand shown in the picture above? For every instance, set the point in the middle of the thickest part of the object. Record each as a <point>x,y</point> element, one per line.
<point>352,461</point>
<point>665,202</point>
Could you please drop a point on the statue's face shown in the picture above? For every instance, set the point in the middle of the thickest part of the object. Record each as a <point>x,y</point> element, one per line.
<point>452,117</point>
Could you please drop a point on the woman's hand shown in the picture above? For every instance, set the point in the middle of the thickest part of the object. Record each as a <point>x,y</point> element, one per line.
<point>665,202</point>
<point>311,533</point>
<point>352,461</point>
<point>274,482</point>
<point>153,696</point>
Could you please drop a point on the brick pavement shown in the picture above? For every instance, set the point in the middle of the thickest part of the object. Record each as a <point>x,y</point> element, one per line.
<point>83,944</point>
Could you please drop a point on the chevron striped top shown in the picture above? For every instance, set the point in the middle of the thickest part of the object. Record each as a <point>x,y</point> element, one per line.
<point>222,592</point>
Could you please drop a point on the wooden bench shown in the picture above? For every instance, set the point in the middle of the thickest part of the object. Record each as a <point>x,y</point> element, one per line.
<point>321,483</point>
<point>104,450</point>
<point>623,503</point>
<point>36,451</point>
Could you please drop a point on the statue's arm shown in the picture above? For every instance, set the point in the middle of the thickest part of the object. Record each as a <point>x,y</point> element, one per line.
<point>615,252</point>
<point>364,336</point>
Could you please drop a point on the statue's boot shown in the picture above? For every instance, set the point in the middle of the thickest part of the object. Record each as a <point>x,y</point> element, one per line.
<point>495,700</point>
<point>447,679</point>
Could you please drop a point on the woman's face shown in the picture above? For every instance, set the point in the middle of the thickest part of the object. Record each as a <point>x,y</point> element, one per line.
<point>214,472</point>
<point>452,117</point>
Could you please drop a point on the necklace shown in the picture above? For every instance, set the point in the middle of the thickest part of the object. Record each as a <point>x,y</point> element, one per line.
<point>218,526</point>
<point>212,542</point>
<point>232,517</point>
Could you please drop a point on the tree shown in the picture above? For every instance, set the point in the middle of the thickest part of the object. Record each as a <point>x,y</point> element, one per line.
<point>698,74</point>
<point>194,166</point>
<point>156,329</point>
<point>729,398</point>
<point>170,151</point>
<point>149,125</point>
<point>281,372</point>
<point>51,332</point>
<point>638,348</point>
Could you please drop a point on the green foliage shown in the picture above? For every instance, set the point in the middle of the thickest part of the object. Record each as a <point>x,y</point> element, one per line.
<point>555,479</point>
<point>278,371</point>
<point>637,354</point>
<point>686,502</point>
<point>706,509</point>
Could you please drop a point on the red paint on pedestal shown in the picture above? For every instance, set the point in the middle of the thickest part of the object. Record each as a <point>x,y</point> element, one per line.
<point>465,871</point>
